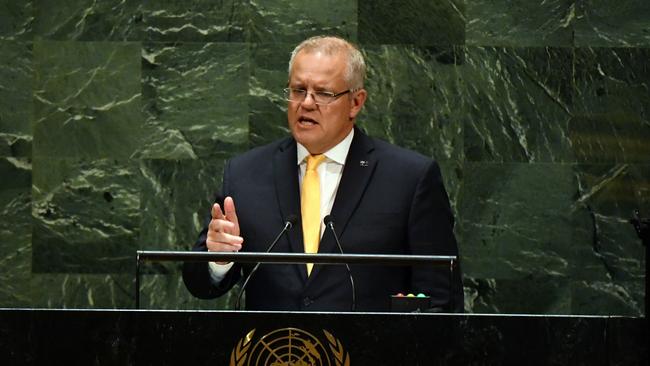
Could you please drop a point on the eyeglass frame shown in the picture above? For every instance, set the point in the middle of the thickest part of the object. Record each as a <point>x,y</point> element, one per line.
<point>333,96</point>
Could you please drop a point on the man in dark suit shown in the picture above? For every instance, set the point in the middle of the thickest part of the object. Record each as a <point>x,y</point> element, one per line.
<point>382,198</point>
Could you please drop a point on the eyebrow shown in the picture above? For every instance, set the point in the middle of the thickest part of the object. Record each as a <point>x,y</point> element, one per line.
<point>317,88</point>
<point>300,84</point>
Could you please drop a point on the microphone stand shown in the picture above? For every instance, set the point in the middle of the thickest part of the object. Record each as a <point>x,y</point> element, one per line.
<point>287,226</point>
<point>330,223</point>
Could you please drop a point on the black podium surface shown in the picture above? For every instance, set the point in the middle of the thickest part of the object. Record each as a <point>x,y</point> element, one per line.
<point>145,337</point>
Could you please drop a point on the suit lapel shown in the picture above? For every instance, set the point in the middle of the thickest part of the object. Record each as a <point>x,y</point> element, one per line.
<point>359,166</point>
<point>285,172</point>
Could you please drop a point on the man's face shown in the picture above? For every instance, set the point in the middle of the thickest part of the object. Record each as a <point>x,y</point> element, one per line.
<point>321,127</point>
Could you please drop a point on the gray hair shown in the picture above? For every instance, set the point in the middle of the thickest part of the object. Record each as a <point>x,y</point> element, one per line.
<point>355,72</point>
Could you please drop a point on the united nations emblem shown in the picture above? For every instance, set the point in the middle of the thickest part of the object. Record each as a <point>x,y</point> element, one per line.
<point>289,347</point>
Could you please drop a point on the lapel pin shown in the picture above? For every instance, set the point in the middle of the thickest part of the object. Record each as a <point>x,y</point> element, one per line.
<point>363,163</point>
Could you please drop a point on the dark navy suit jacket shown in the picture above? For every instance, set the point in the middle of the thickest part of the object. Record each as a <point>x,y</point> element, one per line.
<point>390,201</point>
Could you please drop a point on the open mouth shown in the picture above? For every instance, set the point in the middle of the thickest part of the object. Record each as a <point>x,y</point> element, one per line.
<point>307,121</point>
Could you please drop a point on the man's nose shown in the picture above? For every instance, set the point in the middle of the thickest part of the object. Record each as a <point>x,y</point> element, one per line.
<point>309,100</point>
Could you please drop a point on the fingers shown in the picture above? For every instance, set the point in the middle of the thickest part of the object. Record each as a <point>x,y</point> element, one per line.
<point>221,225</point>
<point>231,213</point>
<point>223,230</point>
<point>224,244</point>
<point>219,241</point>
<point>216,212</point>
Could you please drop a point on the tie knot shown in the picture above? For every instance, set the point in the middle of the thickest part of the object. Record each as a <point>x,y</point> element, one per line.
<point>313,161</point>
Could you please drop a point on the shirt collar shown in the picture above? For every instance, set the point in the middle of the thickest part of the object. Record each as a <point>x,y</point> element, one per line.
<point>337,154</point>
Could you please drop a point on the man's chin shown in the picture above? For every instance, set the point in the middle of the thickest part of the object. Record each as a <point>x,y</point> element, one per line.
<point>305,137</point>
<point>308,140</point>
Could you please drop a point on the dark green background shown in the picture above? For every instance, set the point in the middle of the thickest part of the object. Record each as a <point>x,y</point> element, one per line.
<point>116,118</point>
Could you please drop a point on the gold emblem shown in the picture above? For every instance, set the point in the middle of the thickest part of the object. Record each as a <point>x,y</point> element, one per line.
<point>289,347</point>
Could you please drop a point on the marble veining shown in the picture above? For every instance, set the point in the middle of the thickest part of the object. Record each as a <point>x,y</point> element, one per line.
<point>117,117</point>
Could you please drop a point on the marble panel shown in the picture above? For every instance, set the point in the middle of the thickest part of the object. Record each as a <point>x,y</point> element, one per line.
<point>413,99</point>
<point>175,201</point>
<point>286,21</point>
<point>607,298</point>
<point>161,287</point>
<point>247,21</point>
<point>176,197</point>
<point>553,234</point>
<point>452,176</point>
<point>604,23</point>
<point>86,216</point>
<point>613,264</point>
<point>178,20</point>
<point>16,19</point>
<point>83,291</point>
<point>518,237</point>
<point>267,107</point>
<point>89,20</point>
<point>519,220</point>
<point>419,22</point>
<point>611,122</point>
<point>610,194</point>
<point>520,23</point>
<point>16,107</point>
<point>164,289</point>
<point>87,99</point>
<point>15,232</point>
<point>195,100</point>
<point>534,293</point>
<point>517,104</point>
<point>129,141</point>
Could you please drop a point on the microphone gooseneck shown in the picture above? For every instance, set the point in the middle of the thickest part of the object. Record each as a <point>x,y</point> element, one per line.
<point>288,225</point>
<point>329,222</point>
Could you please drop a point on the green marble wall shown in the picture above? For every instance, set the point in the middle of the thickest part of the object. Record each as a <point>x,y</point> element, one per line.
<point>116,118</point>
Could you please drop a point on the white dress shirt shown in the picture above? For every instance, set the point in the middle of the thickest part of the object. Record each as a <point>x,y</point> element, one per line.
<point>329,174</point>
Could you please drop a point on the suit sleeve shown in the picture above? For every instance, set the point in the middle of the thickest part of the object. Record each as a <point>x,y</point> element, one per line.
<point>196,275</point>
<point>431,232</point>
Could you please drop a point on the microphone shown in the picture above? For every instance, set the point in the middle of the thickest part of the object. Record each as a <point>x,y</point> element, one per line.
<point>291,220</point>
<point>330,223</point>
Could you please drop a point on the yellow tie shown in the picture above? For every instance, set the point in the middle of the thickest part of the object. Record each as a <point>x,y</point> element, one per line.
<point>310,206</point>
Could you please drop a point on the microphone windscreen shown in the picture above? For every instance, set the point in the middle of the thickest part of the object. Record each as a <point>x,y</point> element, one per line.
<point>292,219</point>
<point>327,220</point>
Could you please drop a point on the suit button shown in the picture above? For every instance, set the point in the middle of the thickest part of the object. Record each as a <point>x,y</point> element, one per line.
<point>307,301</point>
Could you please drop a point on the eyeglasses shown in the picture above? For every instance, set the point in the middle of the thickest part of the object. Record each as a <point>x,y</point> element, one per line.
<point>320,97</point>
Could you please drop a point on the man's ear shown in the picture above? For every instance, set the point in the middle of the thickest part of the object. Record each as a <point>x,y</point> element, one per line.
<point>357,102</point>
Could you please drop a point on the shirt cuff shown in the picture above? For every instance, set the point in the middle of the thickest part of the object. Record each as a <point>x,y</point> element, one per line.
<point>218,271</point>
